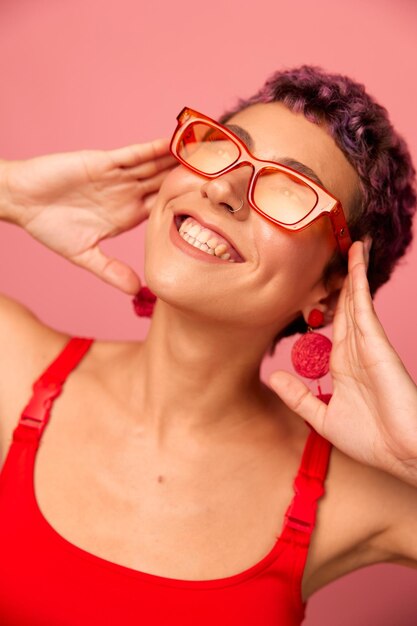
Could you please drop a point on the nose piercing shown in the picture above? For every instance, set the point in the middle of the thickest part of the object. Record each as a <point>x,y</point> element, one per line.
<point>238,209</point>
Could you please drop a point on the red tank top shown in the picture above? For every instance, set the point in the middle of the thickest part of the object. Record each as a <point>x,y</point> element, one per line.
<point>47,581</point>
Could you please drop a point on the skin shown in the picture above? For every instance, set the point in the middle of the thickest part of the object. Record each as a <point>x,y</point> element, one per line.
<point>189,449</point>
<point>188,320</point>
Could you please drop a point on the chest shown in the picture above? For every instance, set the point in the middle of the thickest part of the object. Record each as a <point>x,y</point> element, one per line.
<point>184,514</point>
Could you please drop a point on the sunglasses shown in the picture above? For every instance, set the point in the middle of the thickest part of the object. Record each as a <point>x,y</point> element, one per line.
<point>278,192</point>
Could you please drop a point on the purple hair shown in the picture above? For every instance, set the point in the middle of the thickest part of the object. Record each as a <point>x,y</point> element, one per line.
<point>361,128</point>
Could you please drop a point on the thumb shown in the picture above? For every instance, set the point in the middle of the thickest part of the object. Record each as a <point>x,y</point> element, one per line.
<point>111,270</point>
<point>299,398</point>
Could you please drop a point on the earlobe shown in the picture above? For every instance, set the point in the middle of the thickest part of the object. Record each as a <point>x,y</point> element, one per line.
<point>315,318</point>
<point>326,305</point>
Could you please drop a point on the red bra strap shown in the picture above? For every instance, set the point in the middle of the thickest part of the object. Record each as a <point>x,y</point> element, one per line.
<point>309,485</point>
<point>47,387</point>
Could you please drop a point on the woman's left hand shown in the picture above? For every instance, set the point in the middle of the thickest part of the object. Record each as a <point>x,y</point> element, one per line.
<point>372,413</point>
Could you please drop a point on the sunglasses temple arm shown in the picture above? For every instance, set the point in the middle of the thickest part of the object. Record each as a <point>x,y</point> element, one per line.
<point>340,229</point>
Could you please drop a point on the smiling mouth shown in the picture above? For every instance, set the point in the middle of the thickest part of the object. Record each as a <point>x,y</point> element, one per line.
<point>205,239</point>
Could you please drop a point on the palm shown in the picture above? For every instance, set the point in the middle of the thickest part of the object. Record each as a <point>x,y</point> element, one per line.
<point>372,414</point>
<point>75,200</point>
<point>361,418</point>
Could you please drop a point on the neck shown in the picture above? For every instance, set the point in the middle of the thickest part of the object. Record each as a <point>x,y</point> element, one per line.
<point>197,377</point>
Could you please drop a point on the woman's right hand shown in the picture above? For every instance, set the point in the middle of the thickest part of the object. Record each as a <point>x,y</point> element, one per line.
<point>72,201</point>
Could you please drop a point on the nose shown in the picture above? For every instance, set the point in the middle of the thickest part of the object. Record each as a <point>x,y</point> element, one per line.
<point>230,190</point>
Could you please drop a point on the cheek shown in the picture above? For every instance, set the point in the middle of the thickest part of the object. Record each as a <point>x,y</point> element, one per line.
<point>290,263</point>
<point>281,277</point>
<point>285,253</point>
<point>270,289</point>
<point>178,182</point>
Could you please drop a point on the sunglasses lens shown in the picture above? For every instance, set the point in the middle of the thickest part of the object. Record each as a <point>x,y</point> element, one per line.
<point>278,194</point>
<point>282,196</point>
<point>206,148</point>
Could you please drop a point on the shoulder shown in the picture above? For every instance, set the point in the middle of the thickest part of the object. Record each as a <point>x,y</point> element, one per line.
<point>28,345</point>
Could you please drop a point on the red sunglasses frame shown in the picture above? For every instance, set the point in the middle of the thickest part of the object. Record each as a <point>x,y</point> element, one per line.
<point>325,201</point>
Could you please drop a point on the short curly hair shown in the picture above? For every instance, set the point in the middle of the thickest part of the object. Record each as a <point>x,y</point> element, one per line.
<point>361,128</point>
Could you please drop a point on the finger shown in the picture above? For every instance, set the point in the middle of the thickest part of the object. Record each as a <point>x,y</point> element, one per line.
<point>349,312</point>
<point>299,398</point>
<point>150,168</point>
<point>352,256</point>
<point>346,306</point>
<point>149,201</point>
<point>339,319</point>
<point>152,185</point>
<point>111,270</point>
<point>367,248</point>
<point>134,154</point>
<point>363,306</point>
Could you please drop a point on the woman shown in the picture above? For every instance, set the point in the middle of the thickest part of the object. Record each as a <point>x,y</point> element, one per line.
<point>167,468</point>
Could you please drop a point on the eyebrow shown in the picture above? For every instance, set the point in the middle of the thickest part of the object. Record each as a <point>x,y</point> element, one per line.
<point>288,161</point>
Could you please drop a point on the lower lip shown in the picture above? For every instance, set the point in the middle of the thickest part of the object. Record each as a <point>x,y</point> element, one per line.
<point>180,243</point>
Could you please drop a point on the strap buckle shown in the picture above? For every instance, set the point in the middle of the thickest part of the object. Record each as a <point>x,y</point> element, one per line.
<point>298,524</point>
<point>301,514</point>
<point>36,412</point>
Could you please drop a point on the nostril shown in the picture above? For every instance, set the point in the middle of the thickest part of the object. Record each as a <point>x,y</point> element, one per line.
<point>235,210</point>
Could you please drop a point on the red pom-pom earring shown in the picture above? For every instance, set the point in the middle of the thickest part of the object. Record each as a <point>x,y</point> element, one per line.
<point>310,354</point>
<point>144,302</point>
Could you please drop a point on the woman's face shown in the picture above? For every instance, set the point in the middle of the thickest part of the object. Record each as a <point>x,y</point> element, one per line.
<point>279,274</point>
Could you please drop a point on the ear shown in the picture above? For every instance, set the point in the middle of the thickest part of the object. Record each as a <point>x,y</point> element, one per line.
<point>326,300</point>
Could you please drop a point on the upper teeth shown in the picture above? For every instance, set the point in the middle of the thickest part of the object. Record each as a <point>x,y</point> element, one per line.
<point>202,238</point>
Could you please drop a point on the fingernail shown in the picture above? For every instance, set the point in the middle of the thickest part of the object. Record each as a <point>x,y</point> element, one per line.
<point>367,249</point>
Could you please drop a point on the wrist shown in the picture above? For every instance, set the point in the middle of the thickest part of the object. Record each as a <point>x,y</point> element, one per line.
<point>403,465</point>
<point>10,210</point>
<point>406,471</point>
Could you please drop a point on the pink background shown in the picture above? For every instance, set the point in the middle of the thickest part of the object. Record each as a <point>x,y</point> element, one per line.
<point>94,74</point>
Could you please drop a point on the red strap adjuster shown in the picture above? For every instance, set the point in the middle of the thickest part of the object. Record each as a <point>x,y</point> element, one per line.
<point>298,524</point>
<point>36,412</point>
<point>301,514</point>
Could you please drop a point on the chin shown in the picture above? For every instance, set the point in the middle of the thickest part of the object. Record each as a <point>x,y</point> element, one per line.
<point>174,280</point>
<point>169,288</point>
